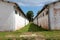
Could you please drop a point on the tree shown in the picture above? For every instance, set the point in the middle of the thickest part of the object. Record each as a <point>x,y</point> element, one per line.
<point>30,15</point>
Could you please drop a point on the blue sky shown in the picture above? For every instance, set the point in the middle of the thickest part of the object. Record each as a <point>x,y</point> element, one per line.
<point>34,5</point>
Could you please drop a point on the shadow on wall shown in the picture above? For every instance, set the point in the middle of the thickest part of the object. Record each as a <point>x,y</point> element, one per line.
<point>35,28</point>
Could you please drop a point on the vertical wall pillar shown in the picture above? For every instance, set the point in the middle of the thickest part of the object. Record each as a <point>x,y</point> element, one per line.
<point>37,20</point>
<point>49,19</point>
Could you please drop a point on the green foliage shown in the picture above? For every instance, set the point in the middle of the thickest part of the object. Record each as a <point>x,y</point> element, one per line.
<point>30,15</point>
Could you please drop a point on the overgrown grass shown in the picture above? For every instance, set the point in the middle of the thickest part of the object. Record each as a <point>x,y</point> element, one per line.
<point>34,29</point>
<point>31,28</point>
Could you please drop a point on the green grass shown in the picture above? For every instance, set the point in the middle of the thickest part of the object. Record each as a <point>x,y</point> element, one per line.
<point>34,29</point>
<point>31,28</point>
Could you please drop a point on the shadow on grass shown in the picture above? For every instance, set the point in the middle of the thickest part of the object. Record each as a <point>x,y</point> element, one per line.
<point>35,28</point>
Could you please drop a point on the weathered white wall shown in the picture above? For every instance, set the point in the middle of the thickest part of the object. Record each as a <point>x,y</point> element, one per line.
<point>55,16</point>
<point>42,20</point>
<point>51,17</point>
<point>35,21</point>
<point>6,16</point>
<point>27,21</point>
<point>20,22</point>
<point>9,21</point>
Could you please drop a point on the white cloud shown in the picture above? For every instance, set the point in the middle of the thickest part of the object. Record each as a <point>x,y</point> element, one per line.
<point>32,2</point>
<point>21,4</point>
<point>35,2</point>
